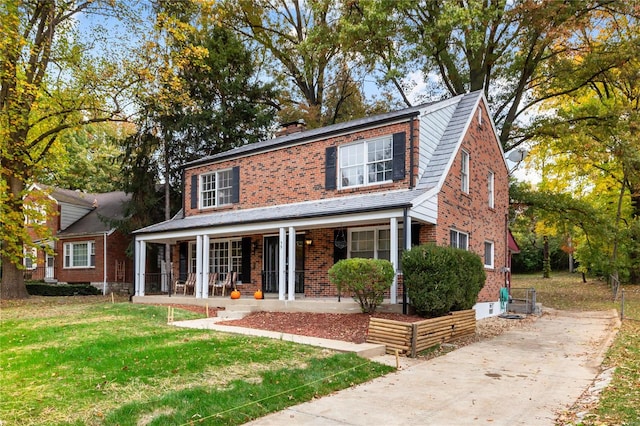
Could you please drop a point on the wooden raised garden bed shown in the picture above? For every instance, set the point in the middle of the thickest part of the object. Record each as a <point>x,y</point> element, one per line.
<point>411,338</point>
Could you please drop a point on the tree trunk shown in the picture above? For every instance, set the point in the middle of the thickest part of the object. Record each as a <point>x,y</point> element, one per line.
<point>13,286</point>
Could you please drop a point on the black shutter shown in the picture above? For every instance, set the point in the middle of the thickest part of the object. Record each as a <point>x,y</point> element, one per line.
<point>399,148</point>
<point>330,168</point>
<point>182,263</point>
<point>235,184</point>
<point>340,249</point>
<point>245,277</point>
<point>194,191</point>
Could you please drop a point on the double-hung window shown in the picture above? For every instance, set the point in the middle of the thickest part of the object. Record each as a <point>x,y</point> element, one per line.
<point>366,162</point>
<point>30,258</point>
<point>374,243</point>
<point>80,255</point>
<point>488,254</point>
<point>459,239</point>
<point>464,171</point>
<point>216,188</point>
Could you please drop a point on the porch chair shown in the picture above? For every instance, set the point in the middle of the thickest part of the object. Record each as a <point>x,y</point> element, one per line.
<point>214,284</point>
<point>229,282</point>
<point>188,285</point>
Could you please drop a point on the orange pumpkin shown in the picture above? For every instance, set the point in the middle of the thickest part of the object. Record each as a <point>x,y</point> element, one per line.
<point>258,294</point>
<point>235,294</point>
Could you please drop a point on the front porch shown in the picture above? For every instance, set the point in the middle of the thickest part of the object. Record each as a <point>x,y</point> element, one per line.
<point>344,305</point>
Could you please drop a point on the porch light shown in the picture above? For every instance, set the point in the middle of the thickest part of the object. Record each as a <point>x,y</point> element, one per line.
<point>308,241</point>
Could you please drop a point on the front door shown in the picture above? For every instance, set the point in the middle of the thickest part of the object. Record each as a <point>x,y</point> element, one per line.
<point>50,272</point>
<point>270,282</point>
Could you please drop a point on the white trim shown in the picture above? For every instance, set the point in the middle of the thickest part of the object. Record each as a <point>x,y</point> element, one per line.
<point>356,219</point>
<point>493,254</point>
<point>393,257</point>
<point>91,250</point>
<point>365,162</point>
<point>465,169</point>
<point>291,282</point>
<point>217,187</point>
<point>282,259</point>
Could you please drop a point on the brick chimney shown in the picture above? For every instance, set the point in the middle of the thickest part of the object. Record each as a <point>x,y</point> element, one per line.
<point>291,127</point>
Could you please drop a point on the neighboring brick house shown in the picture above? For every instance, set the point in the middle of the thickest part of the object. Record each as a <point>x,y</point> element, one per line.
<point>85,247</point>
<point>365,188</point>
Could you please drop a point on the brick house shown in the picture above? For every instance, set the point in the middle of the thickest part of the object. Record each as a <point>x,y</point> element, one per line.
<point>281,212</point>
<point>85,247</point>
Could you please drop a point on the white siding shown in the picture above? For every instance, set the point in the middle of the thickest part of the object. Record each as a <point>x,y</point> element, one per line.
<point>432,127</point>
<point>427,211</point>
<point>69,214</point>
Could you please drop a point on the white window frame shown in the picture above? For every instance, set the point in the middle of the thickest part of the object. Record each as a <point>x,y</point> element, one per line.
<point>464,171</point>
<point>30,259</point>
<point>220,194</point>
<point>68,255</point>
<point>376,239</point>
<point>233,257</point>
<point>491,189</point>
<point>363,162</point>
<point>458,234</point>
<point>489,250</point>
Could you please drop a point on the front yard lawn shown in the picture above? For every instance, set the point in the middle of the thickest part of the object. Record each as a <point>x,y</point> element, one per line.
<point>121,364</point>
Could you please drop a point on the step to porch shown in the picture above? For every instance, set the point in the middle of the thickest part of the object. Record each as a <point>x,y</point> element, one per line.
<point>234,311</point>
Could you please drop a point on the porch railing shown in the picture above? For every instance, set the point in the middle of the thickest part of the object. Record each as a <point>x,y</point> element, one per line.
<point>39,273</point>
<point>158,283</point>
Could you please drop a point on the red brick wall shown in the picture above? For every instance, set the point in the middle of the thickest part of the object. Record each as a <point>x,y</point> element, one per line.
<point>268,178</point>
<point>116,250</point>
<point>470,213</point>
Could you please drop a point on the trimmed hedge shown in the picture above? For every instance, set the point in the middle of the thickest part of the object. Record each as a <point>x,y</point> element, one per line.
<point>442,279</point>
<point>367,279</point>
<point>41,289</point>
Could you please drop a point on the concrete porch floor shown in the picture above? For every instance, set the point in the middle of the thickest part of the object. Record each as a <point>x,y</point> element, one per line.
<point>269,304</point>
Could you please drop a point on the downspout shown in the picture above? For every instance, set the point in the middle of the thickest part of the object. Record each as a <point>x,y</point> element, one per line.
<point>104,264</point>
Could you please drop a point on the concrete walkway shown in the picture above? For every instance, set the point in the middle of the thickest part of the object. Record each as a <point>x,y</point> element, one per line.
<point>522,377</point>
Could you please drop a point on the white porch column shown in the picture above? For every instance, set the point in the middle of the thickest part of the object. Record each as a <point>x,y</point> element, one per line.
<point>282,263</point>
<point>199,250</point>
<point>205,267</point>
<point>407,233</point>
<point>393,257</point>
<point>141,255</point>
<point>292,263</point>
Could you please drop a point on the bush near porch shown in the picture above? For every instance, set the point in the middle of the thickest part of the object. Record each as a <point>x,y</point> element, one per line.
<point>442,279</point>
<point>366,279</point>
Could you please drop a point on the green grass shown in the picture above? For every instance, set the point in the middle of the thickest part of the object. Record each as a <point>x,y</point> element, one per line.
<point>620,402</point>
<point>87,363</point>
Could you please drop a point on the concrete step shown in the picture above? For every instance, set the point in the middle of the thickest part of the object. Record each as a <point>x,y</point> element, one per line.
<point>231,315</point>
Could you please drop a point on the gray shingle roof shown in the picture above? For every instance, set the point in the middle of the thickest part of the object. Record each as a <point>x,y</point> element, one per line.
<point>310,134</point>
<point>307,209</point>
<point>450,140</point>
<point>110,205</point>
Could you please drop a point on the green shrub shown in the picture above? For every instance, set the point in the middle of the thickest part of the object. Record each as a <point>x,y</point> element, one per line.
<point>41,289</point>
<point>367,279</point>
<point>442,279</point>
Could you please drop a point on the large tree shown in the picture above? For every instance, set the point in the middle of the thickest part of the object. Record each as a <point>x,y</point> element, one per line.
<point>460,46</point>
<point>49,85</point>
<point>590,147</point>
<point>201,97</point>
<point>304,54</point>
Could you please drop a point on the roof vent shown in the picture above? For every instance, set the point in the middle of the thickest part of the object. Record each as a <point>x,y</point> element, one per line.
<point>291,127</point>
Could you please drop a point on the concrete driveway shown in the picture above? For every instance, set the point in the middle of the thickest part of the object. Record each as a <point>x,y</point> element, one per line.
<point>522,377</point>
